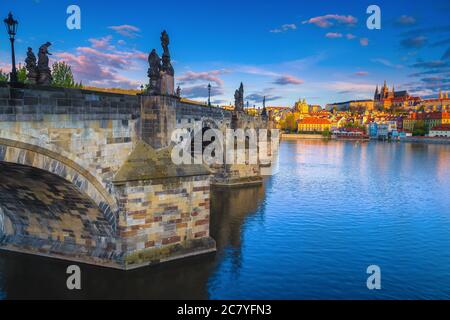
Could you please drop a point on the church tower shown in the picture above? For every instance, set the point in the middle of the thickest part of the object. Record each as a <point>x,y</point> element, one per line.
<point>384,91</point>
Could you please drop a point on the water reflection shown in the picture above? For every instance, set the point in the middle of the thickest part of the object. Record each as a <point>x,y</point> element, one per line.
<point>28,277</point>
<point>333,209</point>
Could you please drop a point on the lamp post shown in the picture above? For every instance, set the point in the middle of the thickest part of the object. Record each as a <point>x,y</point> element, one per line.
<point>11,28</point>
<point>209,95</point>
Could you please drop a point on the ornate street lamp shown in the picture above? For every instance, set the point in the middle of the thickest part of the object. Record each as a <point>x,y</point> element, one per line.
<point>11,28</point>
<point>209,95</point>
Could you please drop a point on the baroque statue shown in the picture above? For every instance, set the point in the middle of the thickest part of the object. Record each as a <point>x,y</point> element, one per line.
<point>239,98</point>
<point>45,75</point>
<point>166,64</point>
<point>154,72</point>
<point>31,66</point>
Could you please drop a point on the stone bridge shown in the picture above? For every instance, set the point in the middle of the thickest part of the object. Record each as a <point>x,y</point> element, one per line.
<point>87,176</point>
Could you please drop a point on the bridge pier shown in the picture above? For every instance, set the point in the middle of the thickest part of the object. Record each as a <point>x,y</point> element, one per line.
<point>164,208</point>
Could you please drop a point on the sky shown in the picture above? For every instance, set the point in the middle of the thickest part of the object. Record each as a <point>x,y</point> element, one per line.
<point>319,50</point>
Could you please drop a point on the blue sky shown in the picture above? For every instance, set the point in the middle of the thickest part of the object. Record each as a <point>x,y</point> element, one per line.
<point>318,50</point>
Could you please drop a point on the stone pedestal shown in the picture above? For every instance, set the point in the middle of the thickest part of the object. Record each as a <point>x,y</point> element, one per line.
<point>158,120</point>
<point>167,84</point>
<point>164,208</point>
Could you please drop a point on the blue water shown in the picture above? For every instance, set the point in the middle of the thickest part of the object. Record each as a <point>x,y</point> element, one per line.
<point>333,209</point>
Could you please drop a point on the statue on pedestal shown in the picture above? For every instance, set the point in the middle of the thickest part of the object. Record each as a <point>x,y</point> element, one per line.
<point>239,98</point>
<point>154,72</point>
<point>45,74</point>
<point>264,110</point>
<point>166,64</point>
<point>31,66</point>
<point>161,72</point>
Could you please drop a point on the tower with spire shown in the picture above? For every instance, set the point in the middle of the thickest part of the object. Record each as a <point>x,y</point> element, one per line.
<point>264,110</point>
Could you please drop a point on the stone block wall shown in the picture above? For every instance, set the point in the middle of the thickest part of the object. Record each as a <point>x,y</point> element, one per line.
<point>162,220</point>
<point>158,120</point>
<point>95,130</point>
<point>140,208</point>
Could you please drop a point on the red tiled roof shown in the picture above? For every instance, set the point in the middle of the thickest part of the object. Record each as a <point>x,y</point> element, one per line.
<point>313,120</point>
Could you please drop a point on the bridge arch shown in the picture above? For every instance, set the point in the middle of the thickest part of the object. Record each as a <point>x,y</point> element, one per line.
<point>28,155</point>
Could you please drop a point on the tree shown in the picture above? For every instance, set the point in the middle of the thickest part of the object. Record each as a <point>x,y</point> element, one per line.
<point>326,133</point>
<point>22,74</point>
<point>419,129</point>
<point>289,123</point>
<point>62,76</point>
<point>4,77</point>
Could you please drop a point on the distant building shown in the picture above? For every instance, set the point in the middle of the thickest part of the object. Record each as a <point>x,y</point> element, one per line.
<point>390,99</point>
<point>446,117</point>
<point>315,108</point>
<point>357,105</point>
<point>430,120</point>
<point>302,107</point>
<point>441,103</point>
<point>313,124</point>
<point>440,131</point>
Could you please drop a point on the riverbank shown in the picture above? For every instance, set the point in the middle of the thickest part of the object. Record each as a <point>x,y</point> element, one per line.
<point>295,136</point>
<point>426,140</point>
<point>300,136</point>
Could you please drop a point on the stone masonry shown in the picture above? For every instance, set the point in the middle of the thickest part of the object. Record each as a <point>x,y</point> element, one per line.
<point>87,176</point>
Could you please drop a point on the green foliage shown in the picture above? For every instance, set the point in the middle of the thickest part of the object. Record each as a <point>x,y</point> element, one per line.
<point>419,129</point>
<point>326,133</point>
<point>289,123</point>
<point>22,74</point>
<point>63,77</point>
<point>4,77</point>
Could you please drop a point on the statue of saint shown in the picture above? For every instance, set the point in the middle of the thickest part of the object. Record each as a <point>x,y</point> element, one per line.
<point>165,41</point>
<point>166,64</point>
<point>154,72</point>
<point>31,66</point>
<point>239,98</point>
<point>45,75</point>
<point>154,62</point>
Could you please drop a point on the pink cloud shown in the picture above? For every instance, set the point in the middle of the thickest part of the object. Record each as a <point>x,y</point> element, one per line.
<point>112,59</point>
<point>361,73</point>
<point>126,30</point>
<point>288,80</point>
<point>333,35</point>
<point>102,43</point>
<point>285,27</point>
<point>5,67</point>
<point>364,42</point>
<point>99,68</point>
<point>84,67</point>
<point>350,36</point>
<point>212,76</point>
<point>330,19</point>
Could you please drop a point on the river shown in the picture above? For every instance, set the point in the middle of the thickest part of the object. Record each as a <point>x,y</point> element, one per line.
<point>310,232</point>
